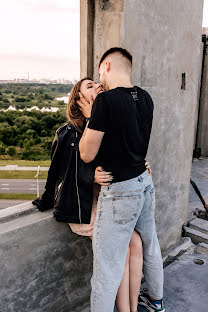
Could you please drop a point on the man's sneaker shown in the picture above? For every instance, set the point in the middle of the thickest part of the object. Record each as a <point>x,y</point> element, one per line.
<point>152,306</point>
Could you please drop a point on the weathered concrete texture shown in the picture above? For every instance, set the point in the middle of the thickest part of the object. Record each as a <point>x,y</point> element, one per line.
<point>199,173</point>
<point>43,266</point>
<point>107,29</point>
<point>186,284</point>
<point>86,42</point>
<point>15,211</point>
<point>196,235</point>
<point>202,248</point>
<point>172,254</point>
<point>199,225</point>
<point>165,40</point>
<point>203,118</point>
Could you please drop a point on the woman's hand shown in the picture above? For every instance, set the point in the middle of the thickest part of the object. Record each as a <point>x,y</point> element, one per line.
<point>85,106</point>
<point>147,165</point>
<point>102,177</point>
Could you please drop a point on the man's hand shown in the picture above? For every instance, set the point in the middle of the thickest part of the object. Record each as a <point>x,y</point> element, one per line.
<point>85,106</point>
<point>102,177</point>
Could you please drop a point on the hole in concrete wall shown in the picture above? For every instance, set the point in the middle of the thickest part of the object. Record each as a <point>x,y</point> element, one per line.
<point>199,261</point>
<point>183,81</point>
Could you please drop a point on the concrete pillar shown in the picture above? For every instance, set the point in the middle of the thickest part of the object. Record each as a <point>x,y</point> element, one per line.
<point>165,40</point>
<point>86,43</point>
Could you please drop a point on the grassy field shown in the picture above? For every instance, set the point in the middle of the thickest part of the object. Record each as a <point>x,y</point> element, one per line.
<point>17,174</point>
<point>18,196</point>
<point>25,163</point>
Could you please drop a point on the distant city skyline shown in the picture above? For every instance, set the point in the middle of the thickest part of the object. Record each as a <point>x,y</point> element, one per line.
<point>42,37</point>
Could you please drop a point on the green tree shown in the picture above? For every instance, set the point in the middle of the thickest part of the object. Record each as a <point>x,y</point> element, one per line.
<point>11,151</point>
<point>2,150</point>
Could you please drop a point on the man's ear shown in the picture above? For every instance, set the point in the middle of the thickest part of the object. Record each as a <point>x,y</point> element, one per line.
<point>108,66</point>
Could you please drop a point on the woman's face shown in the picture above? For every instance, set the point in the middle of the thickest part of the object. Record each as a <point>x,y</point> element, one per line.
<point>90,89</point>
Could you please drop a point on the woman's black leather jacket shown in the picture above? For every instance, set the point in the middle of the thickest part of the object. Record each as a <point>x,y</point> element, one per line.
<point>69,186</point>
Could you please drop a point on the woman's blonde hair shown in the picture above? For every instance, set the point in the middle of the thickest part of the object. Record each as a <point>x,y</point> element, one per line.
<point>74,114</point>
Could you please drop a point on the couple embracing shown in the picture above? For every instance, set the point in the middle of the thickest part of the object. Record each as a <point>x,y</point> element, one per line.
<point>108,133</point>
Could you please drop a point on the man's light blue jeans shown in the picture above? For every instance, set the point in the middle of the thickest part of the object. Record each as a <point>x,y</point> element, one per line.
<point>123,207</point>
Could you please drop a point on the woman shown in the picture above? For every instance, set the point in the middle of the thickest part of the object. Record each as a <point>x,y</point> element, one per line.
<point>77,112</point>
<point>72,188</point>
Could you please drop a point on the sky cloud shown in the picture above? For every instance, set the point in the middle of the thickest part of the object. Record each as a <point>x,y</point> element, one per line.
<point>47,29</point>
<point>39,66</point>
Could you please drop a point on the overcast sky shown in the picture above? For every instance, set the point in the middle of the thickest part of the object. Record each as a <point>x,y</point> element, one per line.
<point>42,37</point>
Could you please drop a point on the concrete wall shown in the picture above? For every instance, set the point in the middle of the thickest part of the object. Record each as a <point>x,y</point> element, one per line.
<point>164,37</point>
<point>43,265</point>
<point>203,118</point>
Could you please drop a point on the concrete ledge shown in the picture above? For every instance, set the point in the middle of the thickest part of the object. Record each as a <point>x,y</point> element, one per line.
<point>199,225</point>
<point>202,248</point>
<point>172,254</point>
<point>16,211</point>
<point>196,236</point>
<point>44,267</point>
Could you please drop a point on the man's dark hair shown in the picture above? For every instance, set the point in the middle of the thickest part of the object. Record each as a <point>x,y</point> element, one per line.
<point>124,52</point>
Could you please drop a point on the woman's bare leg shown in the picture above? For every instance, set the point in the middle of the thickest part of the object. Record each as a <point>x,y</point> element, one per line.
<point>122,298</point>
<point>135,270</point>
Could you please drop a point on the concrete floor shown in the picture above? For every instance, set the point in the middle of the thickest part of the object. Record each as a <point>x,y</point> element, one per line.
<point>199,174</point>
<point>186,285</point>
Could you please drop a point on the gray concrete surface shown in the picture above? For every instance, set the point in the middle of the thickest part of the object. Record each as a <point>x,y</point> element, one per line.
<point>196,235</point>
<point>200,225</point>
<point>5,203</point>
<point>202,248</point>
<point>21,186</point>
<point>186,284</point>
<point>17,211</point>
<point>44,267</point>
<point>164,38</point>
<point>199,174</point>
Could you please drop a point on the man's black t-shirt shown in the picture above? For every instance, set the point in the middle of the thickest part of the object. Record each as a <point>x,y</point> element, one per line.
<point>125,115</point>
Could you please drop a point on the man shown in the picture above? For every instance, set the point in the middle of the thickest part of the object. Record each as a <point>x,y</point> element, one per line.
<point>117,137</point>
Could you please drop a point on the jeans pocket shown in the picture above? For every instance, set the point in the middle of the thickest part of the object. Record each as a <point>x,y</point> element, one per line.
<point>125,208</point>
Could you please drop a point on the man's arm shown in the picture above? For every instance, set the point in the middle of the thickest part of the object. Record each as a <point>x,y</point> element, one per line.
<point>90,143</point>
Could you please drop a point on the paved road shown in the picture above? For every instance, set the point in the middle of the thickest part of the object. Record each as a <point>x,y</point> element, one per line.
<point>16,167</point>
<point>22,186</point>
